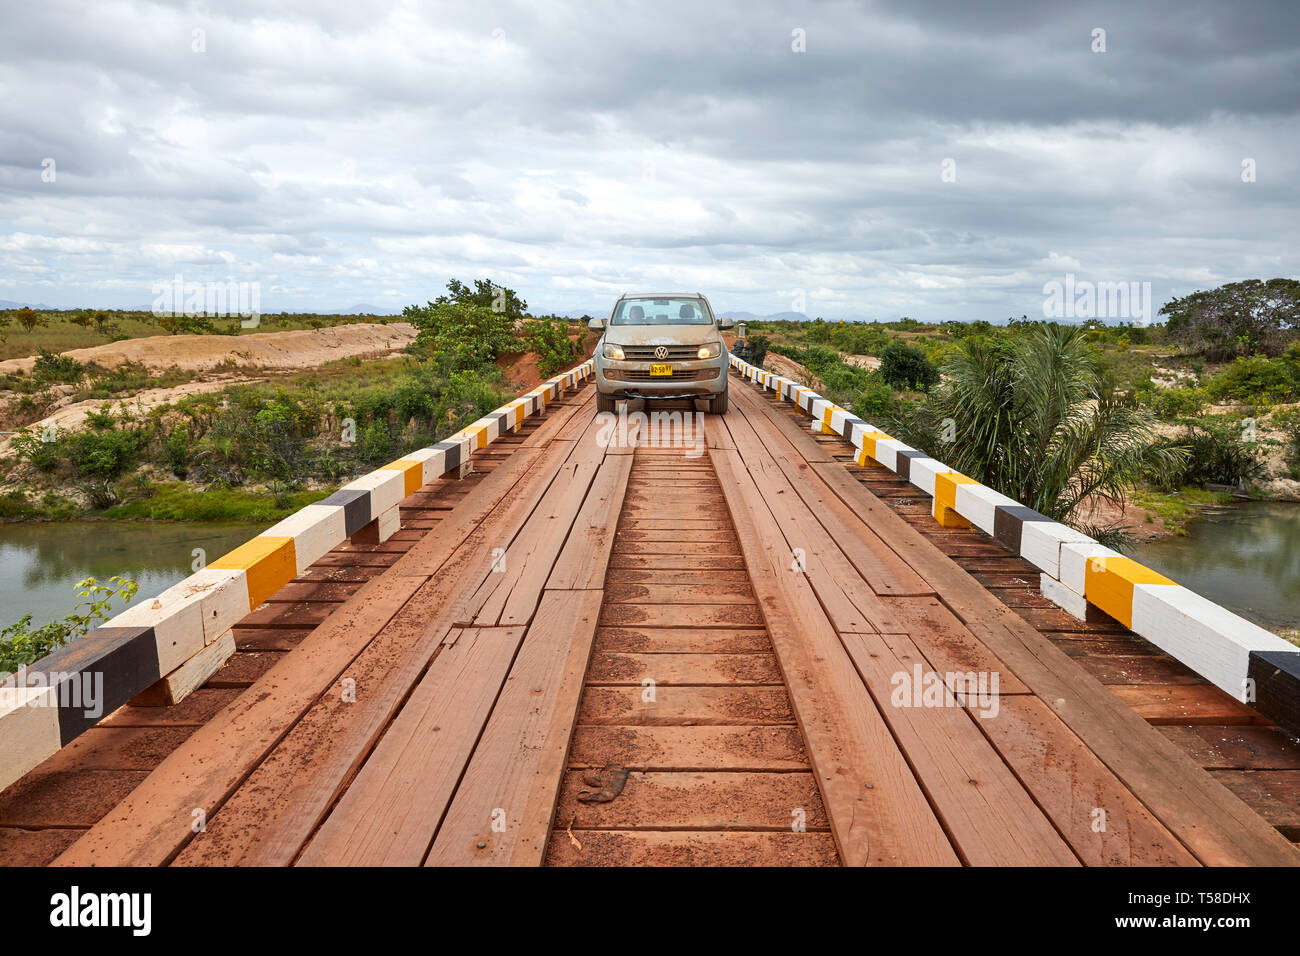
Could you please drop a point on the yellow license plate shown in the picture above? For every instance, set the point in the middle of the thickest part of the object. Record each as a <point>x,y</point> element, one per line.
<point>661,370</point>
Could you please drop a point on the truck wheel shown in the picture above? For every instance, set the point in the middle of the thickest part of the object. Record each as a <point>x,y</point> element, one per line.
<point>604,403</point>
<point>719,404</point>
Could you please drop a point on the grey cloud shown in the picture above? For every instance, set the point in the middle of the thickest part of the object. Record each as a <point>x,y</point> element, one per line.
<point>579,151</point>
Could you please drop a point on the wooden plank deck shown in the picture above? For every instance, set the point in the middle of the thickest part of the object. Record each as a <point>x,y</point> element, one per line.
<point>722,640</point>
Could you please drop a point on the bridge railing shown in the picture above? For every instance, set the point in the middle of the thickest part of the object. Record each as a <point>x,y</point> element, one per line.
<point>172,643</point>
<point>1251,664</point>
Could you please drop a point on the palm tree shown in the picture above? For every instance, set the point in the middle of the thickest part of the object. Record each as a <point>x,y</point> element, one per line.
<point>1034,418</point>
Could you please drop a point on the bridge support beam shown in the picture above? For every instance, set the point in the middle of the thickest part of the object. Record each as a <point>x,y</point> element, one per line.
<point>381,529</point>
<point>190,676</point>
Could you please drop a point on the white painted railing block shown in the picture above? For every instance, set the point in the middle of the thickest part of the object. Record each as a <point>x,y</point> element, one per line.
<point>1209,639</point>
<point>315,530</point>
<point>887,450</point>
<point>921,472</point>
<point>1040,544</point>
<point>1075,556</point>
<point>386,488</point>
<point>978,505</point>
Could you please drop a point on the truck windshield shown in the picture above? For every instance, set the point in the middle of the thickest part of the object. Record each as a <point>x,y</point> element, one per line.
<point>670,311</point>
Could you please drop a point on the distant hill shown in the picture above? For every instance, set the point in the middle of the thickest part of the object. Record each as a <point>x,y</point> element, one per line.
<point>774,317</point>
<point>367,309</point>
<point>7,304</point>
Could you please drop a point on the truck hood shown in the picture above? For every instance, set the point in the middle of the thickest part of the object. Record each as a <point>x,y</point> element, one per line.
<point>661,334</point>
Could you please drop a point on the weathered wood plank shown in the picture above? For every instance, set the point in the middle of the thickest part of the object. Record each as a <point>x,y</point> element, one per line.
<point>502,810</point>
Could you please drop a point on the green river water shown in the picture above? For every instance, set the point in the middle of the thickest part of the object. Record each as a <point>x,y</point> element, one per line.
<point>41,562</point>
<point>1244,556</point>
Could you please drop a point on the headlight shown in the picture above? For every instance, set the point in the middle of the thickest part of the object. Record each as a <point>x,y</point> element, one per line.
<point>710,351</point>
<point>614,352</point>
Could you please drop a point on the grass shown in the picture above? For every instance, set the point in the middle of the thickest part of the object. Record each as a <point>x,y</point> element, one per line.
<point>177,501</point>
<point>16,506</point>
<point>1176,508</point>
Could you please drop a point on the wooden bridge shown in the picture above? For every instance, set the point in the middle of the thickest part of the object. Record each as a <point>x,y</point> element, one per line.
<point>577,639</point>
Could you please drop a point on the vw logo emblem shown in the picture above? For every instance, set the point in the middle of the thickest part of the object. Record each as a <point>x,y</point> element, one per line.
<point>661,353</point>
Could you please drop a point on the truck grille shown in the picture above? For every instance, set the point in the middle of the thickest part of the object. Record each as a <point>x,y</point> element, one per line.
<point>679,375</point>
<point>646,353</point>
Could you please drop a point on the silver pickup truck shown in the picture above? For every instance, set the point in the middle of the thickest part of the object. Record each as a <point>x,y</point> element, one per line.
<point>661,345</point>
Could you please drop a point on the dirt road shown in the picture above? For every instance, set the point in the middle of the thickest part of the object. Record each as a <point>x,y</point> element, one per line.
<point>300,348</point>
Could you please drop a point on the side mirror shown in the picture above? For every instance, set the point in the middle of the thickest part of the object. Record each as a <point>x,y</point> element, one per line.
<point>725,323</point>
<point>596,324</point>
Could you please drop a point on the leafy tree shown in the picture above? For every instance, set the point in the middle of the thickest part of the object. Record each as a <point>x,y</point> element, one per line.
<point>905,366</point>
<point>470,334</point>
<point>29,319</point>
<point>1033,418</point>
<point>104,323</point>
<point>485,294</point>
<point>1240,318</point>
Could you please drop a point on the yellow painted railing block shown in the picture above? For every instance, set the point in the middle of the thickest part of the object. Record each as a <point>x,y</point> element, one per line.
<point>945,499</point>
<point>269,561</point>
<point>827,412</point>
<point>414,474</point>
<point>1108,583</point>
<point>868,449</point>
<point>945,487</point>
<point>516,409</point>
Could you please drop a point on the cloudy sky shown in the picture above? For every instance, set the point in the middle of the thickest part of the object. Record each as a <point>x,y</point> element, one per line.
<point>933,159</point>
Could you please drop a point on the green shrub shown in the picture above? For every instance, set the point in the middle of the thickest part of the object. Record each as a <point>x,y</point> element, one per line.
<point>176,447</point>
<point>549,339</point>
<point>376,443</point>
<point>21,646</point>
<point>103,455</point>
<point>31,447</point>
<point>1217,451</point>
<point>53,367</point>
<point>14,504</point>
<point>858,338</point>
<point>876,401</point>
<point>1179,402</point>
<point>1258,380</point>
<point>905,366</point>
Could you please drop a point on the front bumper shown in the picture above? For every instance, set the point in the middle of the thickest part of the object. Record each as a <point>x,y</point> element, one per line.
<point>695,378</point>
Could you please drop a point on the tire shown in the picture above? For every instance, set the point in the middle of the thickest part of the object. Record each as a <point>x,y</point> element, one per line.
<point>605,403</point>
<point>718,406</point>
